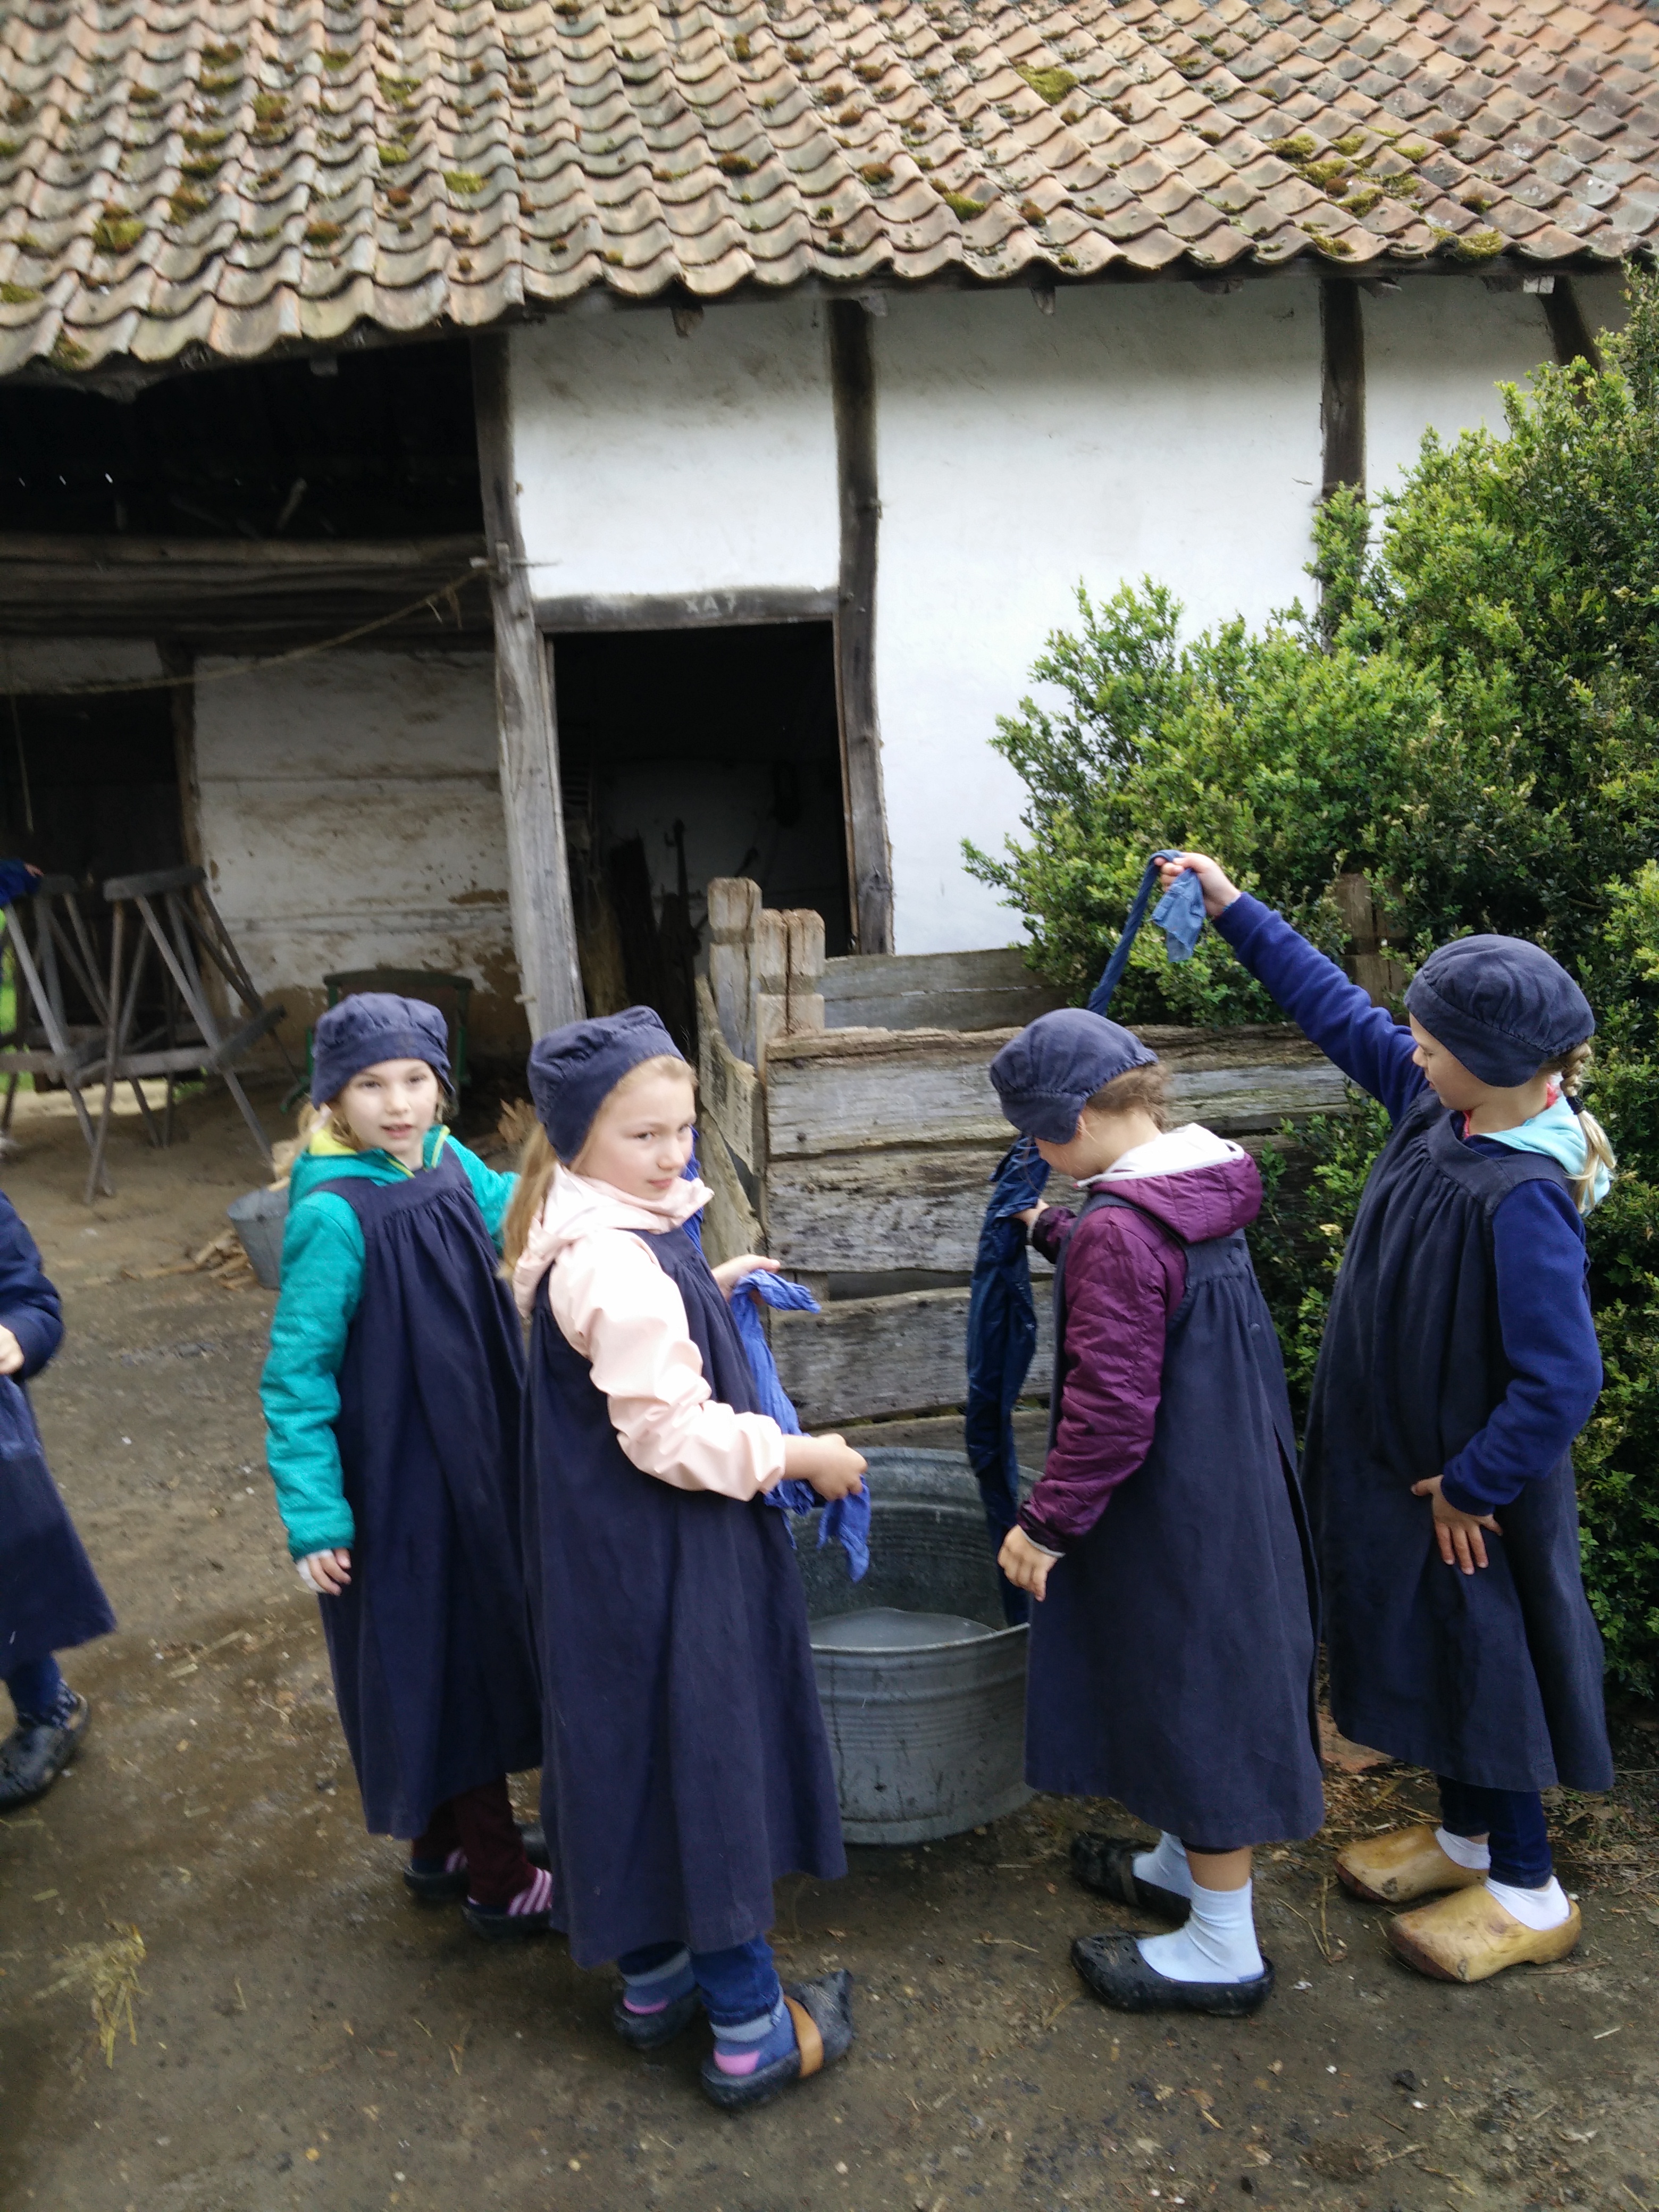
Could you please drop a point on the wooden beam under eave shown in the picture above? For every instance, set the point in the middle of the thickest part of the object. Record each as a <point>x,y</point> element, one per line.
<point>853,383</point>
<point>1342,386</point>
<point>1570,333</point>
<point>538,874</point>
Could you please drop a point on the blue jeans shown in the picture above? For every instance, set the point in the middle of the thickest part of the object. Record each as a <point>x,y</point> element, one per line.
<point>736,1985</point>
<point>37,1689</point>
<point>1511,1821</point>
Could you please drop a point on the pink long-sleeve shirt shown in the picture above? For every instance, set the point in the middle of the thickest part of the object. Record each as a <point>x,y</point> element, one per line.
<point>618,1308</point>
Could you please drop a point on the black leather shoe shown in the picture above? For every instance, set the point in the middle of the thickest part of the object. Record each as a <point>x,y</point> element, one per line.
<point>1114,1971</point>
<point>435,1882</point>
<point>1106,1864</point>
<point>827,2003</point>
<point>36,1753</point>
<point>649,2031</point>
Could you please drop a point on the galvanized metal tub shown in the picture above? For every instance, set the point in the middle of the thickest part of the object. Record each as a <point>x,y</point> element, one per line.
<point>260,1219</point>
<point>928,1740</point>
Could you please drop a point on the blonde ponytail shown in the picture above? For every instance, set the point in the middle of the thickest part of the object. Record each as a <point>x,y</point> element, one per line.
<point>1598,1151</point>
<point>537,1161</point>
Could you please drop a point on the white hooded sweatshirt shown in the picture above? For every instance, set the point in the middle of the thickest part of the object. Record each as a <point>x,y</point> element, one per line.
<point>618,1308</point>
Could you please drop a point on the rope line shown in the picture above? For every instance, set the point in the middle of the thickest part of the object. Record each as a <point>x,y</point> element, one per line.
<point>256,667</point>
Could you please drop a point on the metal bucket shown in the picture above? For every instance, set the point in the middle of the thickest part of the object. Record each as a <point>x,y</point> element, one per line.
<point>259,1218</point>
<point>928,1739</point>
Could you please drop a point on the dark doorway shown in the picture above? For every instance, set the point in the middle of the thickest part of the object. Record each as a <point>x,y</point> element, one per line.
<point>689,754</point>
<point>89,788</point>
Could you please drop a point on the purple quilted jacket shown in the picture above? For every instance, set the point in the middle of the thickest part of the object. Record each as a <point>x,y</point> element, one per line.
<point>1124,1279</point>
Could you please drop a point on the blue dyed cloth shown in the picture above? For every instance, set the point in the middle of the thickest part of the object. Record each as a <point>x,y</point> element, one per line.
<point>16,881</point>
<point>1002,1321</point>
<point>845,1519</point>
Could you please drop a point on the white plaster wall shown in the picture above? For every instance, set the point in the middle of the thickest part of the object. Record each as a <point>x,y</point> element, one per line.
<point>351,817</point>
<point>647,462</point>
<point>1146,430</point>
<point>1436,352</point>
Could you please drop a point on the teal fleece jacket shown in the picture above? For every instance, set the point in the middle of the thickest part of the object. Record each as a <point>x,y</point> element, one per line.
<point>323,1257</point>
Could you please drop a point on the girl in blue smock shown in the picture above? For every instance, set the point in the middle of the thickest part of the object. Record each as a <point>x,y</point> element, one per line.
<point>1458,1364</point>
<point>50,1598</point>
<point>686,1766</point>
<point>392,1398</point>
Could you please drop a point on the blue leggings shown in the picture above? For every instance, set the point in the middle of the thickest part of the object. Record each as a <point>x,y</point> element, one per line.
<point>738,1985</point>
<point>1512,1821</point>
<point>38,1691</point>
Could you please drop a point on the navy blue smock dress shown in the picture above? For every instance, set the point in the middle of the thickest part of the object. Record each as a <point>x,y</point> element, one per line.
<point>1172,1662</point>
<point>685,1765</point>
<point>1492,1677</point>
<point>430,1645</point>
<point>50,1598</point>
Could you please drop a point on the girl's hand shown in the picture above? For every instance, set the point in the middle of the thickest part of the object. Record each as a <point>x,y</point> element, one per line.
<point>1024,1565</point>
<point>1458,1535</point>
<point>829,1463</point>
<point>1218,890</point>
<point>326,1572</point>
<point>730,1273</point>
<point>11,1353</point>
<point>1029,1217</point>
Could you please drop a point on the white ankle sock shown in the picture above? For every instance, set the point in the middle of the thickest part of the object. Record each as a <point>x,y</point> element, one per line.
<point>1534,1908</point>
<point>1463,1850</point>
<point>1166,1865</point>
<point>1217,1943</point>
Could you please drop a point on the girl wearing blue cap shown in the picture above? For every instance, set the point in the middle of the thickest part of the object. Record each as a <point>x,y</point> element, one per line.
<point>1458,1363</point>
<point>686,1767</point>
<point>1173,1641</point>
<point>391,1397</point>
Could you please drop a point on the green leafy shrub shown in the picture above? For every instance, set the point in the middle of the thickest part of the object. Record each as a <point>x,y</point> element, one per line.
<point>1470,717</point>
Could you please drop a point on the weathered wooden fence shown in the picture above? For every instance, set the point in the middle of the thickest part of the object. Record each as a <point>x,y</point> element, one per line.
<point>849,1127</point>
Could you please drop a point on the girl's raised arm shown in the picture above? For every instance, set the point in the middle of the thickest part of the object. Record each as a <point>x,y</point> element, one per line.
<point>1364,1041</point>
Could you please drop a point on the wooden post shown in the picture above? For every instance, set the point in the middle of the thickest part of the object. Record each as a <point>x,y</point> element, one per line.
<point>853,382</point>
<point>544,927</point>
<point>1569,332</point>
<point>1342,398</point>
<point>733,904</point>
<point>1371,966</point>
<point>787,972</point>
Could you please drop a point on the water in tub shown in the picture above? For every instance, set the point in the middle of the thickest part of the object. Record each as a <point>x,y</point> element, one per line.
<point>888,1628</point>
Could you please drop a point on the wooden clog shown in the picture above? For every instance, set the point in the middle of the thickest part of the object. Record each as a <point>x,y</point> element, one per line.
<point>1405,1863</point>
<point>1470,1937</point>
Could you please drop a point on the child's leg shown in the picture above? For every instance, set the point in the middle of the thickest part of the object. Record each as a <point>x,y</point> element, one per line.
<point>442,1839</point>
<point>1522,1875</point>
<point>1217,1941</point>
<point>39,1694</point>
<point>655,1978</point>
<point>1165,1866</point>
<point>744,1999</point>
<point>1465,1822</point>
<point>499,1874</point>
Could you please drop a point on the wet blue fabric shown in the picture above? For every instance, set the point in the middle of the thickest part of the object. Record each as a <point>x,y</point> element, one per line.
<point>1172,1662</point>
<point>685,1766</point>
<point>430,1645</point>
<point>50,1597</point>
<point>1511,1821</point>
<point>1001,1319</point>
<point>368,1027</point>
<point>845,1519</point>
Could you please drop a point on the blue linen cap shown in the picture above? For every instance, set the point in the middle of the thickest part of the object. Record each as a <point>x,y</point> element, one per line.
<point>1502,1005</point>
<point>367,1028</point>
<point>1046,1075</point>
<point>573,1070</point>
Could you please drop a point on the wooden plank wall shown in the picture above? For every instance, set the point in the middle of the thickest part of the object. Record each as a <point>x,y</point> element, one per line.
<point>862,1152</point>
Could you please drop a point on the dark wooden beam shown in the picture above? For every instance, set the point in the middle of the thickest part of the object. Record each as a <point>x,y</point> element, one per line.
<point>1568,329</point>
<point>544,927</point>
<point>716,609</point>
<point>853,381</point>
<point>1342,395</point>
<point>254,592</point>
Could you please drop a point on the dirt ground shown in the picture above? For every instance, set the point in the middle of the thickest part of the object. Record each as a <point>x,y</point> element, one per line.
<point>301,2034</point>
